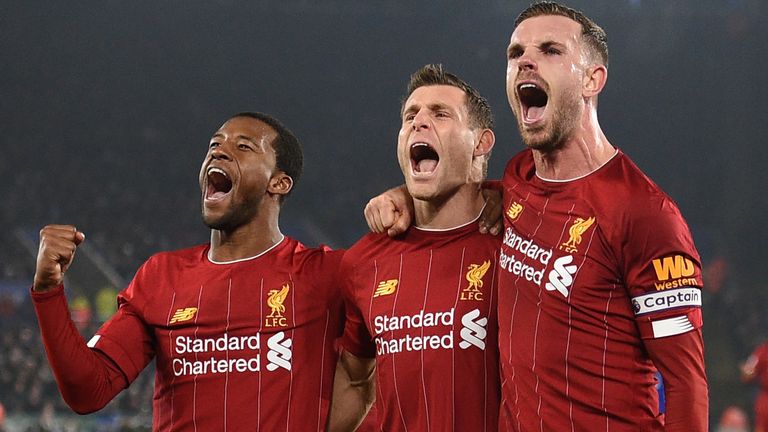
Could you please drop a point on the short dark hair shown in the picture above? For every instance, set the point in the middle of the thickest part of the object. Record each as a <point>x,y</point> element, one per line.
<point>480,114</point>
<point>288,152</point>
<point>591,33</point>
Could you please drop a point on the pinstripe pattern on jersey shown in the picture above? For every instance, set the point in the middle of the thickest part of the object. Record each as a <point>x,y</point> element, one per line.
<point>422,387</point>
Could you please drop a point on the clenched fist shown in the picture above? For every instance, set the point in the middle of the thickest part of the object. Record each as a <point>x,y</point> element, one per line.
<point>57,250</point>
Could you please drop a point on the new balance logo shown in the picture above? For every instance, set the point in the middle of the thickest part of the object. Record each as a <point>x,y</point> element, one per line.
<point>183,314</point>
<point>280,353</point>
<point>514,210</point>
<point>386,287</point>
<point>561,276</point>
<point>473,333</point>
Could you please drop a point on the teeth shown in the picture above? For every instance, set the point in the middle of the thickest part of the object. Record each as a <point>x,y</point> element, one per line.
<point>526,86</point>
<point>419,144</point>
<point>217,170</point>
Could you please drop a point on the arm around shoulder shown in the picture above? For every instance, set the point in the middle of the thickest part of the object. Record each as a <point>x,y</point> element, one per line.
<point>390,212</point>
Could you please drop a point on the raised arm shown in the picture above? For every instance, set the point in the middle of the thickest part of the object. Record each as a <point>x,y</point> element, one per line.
<point>87,379</point>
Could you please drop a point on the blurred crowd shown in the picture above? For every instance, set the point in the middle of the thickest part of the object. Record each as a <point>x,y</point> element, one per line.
<point>29,398</point>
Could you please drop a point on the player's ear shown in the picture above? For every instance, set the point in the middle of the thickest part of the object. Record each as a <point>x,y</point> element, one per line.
<point>280,184</point>
<point>485,143</point>
<point>594,80</point>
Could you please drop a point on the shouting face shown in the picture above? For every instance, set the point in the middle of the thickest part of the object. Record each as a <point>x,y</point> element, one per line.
<point>236,172</point>
<point>546,64</point>
<point>436,144</point>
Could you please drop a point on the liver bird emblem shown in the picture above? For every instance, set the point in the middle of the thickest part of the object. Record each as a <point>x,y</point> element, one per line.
<point>475,275</point>
<point>276,299</point>
<point>579,227</point>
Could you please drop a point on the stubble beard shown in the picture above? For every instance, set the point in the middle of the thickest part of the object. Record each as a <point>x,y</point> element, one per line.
<point>552,136</point>
<point>237,215</point>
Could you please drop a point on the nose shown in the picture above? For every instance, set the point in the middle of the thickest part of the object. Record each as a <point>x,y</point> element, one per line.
<point>220,152</point>
<point>420,120</point>
<point>525,62</point>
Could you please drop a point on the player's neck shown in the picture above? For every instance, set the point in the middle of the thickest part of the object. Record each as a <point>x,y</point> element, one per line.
<point>455,210</point>
<point>246,241</point>
<point>584,152</point>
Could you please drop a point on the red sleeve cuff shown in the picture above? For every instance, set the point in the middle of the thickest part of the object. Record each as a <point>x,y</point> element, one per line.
<point>40,296</point>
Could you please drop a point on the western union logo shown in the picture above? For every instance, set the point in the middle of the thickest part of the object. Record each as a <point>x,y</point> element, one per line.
<point>514,210</point>
<point>386,287</point>
<point>275,301</point>
<point>673,267</point>
<point>579,227</point>
<point>673,272</point>
<point>475,278</point>
<point>183,314</point>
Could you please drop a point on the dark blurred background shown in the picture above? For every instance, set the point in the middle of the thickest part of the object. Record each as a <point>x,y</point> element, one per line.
<point>107,107</point>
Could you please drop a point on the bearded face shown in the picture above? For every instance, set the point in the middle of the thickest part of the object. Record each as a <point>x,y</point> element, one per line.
<point>545,75</point>
<point>566,109</point>
<point>235,173</point>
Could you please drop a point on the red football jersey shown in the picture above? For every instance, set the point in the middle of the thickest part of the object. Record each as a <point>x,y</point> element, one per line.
<point>243,345</point>
<point>759,360</point>
<point>425,305</point>
<point>589,268</point>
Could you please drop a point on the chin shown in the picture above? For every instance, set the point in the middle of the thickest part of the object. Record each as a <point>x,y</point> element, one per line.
<point>538,144</point>
<point>541,140</point>
<point>213,224</point>
<point>221,223</point>
<point>419,191</point>
<point>424,194</point>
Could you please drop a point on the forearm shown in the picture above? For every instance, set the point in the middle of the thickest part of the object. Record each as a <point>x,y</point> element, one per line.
<point>87,379</point>
<point>680,359</point>
<point>353,395</point>
<point>687,408</point>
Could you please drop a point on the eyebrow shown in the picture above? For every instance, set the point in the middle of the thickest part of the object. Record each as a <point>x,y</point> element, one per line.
<point>516,47</point>
<point>245,137</point>
<point>432,107</point>
<point>549,44</point>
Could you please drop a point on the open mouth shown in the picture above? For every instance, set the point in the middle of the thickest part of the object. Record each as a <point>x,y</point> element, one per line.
<point>424,158</point>
<point>218,184</point>
<point>533,100</point>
